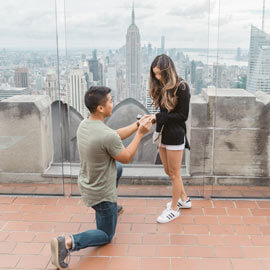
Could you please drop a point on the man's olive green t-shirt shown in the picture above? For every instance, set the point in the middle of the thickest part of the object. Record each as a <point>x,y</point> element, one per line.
<point>97,144</point>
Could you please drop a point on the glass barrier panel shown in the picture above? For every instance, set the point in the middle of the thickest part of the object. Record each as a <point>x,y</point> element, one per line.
<point>29,95</point>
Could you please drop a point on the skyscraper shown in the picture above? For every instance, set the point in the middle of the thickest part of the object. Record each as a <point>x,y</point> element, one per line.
<point>193,72</point>
<point>111,81</point>
<point>217,75</point>
<point>51,86</point>
<point>77,89</point>
<point>21,77</point>
<point>259,61</point>
<point>96,68</point>
<point>238,54</point>
<point>133,59</point>
<point>198,80</point>
<point>162,44</point>
<point>149,50</point>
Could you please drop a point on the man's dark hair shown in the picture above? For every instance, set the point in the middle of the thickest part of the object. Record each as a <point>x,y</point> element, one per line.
<point>95,96</point>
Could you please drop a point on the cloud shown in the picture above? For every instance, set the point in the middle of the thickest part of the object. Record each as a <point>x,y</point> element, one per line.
<point>197,10</point>
<point>104,22</point>
<point>35,19</point>
<point>224,20</point>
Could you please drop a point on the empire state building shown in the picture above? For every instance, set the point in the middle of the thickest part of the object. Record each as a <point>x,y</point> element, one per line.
<point>133,59</point>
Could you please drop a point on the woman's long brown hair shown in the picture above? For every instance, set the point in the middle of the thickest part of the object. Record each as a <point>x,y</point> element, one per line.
<point>164,95</point>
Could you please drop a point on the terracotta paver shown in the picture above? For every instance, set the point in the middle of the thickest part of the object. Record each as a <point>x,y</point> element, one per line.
<point>123,263</point>
<point>224,235</point>
<point>214,263</point>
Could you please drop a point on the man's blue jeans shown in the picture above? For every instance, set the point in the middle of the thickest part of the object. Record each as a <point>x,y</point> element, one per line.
<point>106,220</point>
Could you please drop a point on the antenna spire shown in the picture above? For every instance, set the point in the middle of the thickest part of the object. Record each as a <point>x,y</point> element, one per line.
<point>263,15</point>
<point>133,13</point>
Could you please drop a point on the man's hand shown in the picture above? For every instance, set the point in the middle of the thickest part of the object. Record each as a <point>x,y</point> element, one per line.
<point>145,125</point>
<point>153,118</point>
<point>127,153</point>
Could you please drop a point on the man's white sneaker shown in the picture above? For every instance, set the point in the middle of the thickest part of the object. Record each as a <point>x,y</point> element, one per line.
<point>168,215</point>
<point>181,204</point>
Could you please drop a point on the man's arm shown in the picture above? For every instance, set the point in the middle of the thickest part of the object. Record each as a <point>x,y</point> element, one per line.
<point>128,153</point>
<point>127,131</point>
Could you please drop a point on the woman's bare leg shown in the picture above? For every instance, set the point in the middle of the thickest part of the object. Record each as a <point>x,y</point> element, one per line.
<point>174,161</point>
<point>163,157</point>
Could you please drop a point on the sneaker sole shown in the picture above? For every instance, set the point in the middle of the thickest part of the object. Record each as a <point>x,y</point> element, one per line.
<point>54,252</point>
<point>167,221</point>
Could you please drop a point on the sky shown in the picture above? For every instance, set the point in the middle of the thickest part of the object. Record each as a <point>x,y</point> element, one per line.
<point>31,24</point>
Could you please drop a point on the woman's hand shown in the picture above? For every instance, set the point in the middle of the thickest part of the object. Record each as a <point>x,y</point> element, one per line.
<point>146,116</point>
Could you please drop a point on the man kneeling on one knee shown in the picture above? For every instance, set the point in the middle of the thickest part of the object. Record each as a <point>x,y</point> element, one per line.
<point>99,149</point>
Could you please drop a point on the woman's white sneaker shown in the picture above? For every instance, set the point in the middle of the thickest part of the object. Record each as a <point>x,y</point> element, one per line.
<point>168,215</point>
<point>181,204</point>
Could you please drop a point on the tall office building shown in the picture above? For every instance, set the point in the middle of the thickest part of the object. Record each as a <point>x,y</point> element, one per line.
<point>39,83</point>
<point>162,44</point>
<point>133,59</point>
<point>121,87</point>
<point>149,50</point>
<point>96,68</point>
<point>238,54</point>
<point>77,87</point>
<point>259,61</point>
<point>193,72</point>
<point>21,77</point>
<point>51,86</point>
<point>111,81</point>
<point>198,80</point>
<point>217,75</point>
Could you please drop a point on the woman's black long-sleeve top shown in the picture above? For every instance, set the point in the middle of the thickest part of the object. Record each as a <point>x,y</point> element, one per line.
<point>174,130</point>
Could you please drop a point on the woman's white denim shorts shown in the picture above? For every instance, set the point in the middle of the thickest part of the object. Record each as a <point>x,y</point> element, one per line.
<point>174,147</point>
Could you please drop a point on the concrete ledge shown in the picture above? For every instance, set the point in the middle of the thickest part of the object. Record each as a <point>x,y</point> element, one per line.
<point>127,178</point>
<point>242,181</point>
<point>36,178</point>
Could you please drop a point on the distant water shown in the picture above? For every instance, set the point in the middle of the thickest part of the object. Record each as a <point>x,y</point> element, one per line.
<point>223,59</point>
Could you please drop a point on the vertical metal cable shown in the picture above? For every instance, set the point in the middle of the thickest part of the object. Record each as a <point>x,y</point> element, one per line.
<point>218,32</point>
<point>207,72</point>
<point>68,101</point>
<point>59,96</point>
<point>215,105</point>
<point>208,41</point>
<point>263,15</point>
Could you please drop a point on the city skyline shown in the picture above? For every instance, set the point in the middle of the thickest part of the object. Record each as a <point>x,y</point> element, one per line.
<point>126,69</point>
<point>97,25</point>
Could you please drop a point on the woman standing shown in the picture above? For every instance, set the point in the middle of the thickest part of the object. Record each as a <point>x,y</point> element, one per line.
<point>171,94</point>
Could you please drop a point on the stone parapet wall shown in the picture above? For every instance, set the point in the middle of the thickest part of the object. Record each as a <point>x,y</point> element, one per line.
<point>25,134</point>
<point>229,134</point>
<point>228,131</point>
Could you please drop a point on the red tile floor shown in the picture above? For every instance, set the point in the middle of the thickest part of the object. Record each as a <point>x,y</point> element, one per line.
<point>214,234</point>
